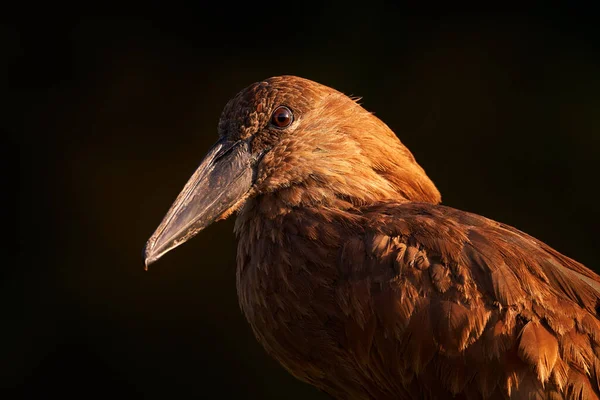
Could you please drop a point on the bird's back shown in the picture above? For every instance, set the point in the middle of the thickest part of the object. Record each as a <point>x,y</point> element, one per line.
<point>414,300</point>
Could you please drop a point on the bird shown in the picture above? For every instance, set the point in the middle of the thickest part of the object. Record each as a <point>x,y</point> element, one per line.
<point>356,278</point>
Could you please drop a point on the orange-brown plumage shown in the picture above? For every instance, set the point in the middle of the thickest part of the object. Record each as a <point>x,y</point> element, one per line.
<point>358,281</point>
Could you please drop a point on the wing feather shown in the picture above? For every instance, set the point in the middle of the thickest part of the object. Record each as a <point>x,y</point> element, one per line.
<point>476,305</point>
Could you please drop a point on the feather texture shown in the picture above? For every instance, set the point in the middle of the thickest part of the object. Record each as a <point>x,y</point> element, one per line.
<point>419,312</point>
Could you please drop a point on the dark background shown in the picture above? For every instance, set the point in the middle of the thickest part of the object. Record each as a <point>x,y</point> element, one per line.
<point>108,117</point>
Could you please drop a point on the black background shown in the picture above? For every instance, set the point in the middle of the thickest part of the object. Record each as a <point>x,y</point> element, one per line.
<point>108,117</point>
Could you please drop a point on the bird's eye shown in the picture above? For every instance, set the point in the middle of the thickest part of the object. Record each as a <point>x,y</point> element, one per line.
<point>282,117</point>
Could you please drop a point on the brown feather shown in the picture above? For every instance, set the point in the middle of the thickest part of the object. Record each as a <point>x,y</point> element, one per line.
<point>539,348</point>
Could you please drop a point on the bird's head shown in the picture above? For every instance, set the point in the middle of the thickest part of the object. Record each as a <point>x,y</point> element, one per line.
<point>308,143</point>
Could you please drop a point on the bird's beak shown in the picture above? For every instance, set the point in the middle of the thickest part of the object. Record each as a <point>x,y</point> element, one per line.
<point>222,180</point>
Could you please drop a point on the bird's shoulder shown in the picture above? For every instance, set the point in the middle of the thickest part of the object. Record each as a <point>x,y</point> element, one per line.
<point>413,237</point>
<point>451,288</point>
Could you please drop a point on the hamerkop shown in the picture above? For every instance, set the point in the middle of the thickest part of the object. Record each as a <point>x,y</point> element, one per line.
<point>356,279</point>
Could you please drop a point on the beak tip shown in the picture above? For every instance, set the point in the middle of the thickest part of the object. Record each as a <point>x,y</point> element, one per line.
<point>147,255</point>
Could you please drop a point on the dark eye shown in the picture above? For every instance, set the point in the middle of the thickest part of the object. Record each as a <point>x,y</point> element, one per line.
<point>282,117</point>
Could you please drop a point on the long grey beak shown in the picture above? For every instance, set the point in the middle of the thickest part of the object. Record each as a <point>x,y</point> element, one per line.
<point>222,179</point>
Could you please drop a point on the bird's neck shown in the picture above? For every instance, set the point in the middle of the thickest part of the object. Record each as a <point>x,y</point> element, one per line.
<point>333,191</point>
<point>343,194</point>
